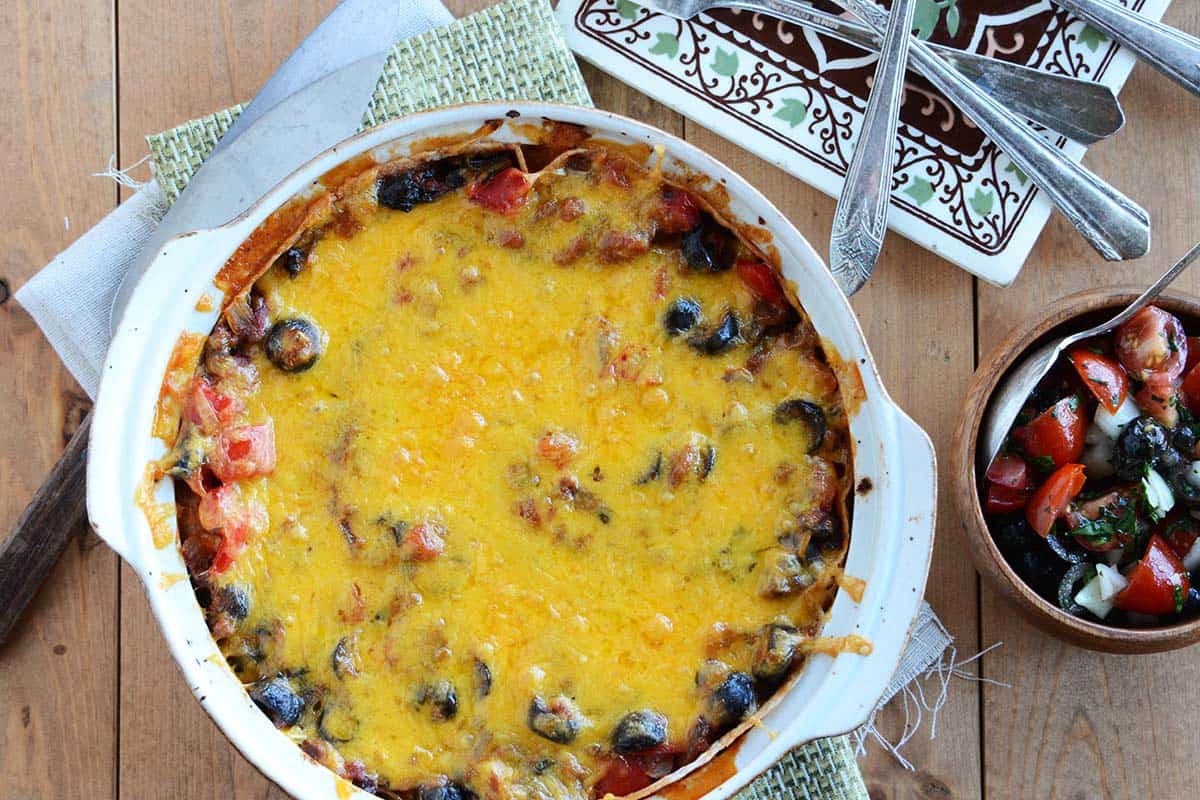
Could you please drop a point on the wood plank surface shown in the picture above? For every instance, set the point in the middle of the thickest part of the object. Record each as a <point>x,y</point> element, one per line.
<point>1078,724</point>
<point>92,704</point>
<point>58,673</point>
<point>180,60</point>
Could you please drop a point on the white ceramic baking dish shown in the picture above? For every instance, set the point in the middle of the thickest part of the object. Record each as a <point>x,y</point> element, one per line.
<point>893,523</point>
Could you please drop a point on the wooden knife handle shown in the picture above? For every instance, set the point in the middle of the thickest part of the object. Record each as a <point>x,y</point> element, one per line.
<point>43,530</point>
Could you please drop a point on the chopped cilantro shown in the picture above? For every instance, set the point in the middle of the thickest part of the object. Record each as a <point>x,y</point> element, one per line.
<point>1118,522</point>
<point>1043,464</point>
<point>1178,598</point>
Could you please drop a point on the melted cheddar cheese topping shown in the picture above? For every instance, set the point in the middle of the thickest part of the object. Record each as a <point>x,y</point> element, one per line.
<point>509,507</point>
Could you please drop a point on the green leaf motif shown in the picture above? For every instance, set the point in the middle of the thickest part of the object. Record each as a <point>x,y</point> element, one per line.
<point>982,202</point>
<point>925,18</point>
<point>1092,38</point>
<point>725,63</point>
<point>1022,178</point>
<point>929,13</point>
<point>628,9</point>
<point>920,190</point>
<point>953,20</point>
<point>793,112</point>
<point>665,44</point>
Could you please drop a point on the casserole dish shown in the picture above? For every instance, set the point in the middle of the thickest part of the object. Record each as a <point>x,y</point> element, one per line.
<point>893,463</point>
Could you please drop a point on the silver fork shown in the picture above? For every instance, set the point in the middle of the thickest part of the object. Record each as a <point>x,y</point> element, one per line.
<point>1170,51</point>
<point>860,222</point>
<point>1112,223</point>
<point>1080,110</point>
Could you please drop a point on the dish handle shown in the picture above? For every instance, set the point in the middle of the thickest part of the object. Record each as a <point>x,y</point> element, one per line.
<point>913,489</point>
<point>122,443</point>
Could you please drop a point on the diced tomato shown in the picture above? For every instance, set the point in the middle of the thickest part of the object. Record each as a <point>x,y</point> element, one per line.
<point>684,463</point>
<point>1190,390</point>
<point>354,608</point>
<point>676,212</point>
<point>1009,471</point>
<point>622,777</point>
<point>1103,376</point>
<point>1152,342</point>
<point>218,505</point>
<point>1051,499</point>
<point>1193,354</point>
<point>558,448</point>
<point>1114,503</point>
<point>244,452</point>
<point>1002,499</point>
<point>504,192</point>
<point>627,365</point>
<point>423,542</point>
<point>662,281</point>
<point>210,409</point>
<point>1057,433</point>
<point>1158,584</point>
<point>233,544</point>
<point>760,279</point>
<point>616,172</point>
<point>615,246</point>
<point>1180,531</point>
<point>1158,398</point>
<point>225,510</point>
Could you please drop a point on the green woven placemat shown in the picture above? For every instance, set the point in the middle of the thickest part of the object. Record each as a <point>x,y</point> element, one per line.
<point>511,51</point>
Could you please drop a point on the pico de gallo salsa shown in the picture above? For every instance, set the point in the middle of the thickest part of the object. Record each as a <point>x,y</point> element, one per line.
<point>1094,499</point>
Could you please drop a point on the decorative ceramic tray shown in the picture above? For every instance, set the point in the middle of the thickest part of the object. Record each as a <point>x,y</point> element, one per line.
<point>796,98</point>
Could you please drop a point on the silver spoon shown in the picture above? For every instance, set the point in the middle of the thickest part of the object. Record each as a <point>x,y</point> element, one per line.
<point>860,221</point>
<point>1170,51</point>
<point>1012,393</point>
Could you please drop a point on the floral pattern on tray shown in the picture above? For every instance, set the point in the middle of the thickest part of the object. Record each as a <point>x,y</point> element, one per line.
<point>797,98</point>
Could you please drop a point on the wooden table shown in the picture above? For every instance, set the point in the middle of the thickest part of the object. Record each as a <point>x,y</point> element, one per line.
<point>91,705</point>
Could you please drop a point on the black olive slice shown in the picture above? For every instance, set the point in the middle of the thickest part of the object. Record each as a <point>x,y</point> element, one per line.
<point>733,700</point>
<point>403,191</point>
<point>709,247</point>
<point>682,316</point>
<point>775,653</point>
<point>446,791</point>
<point>294,260</point>
<point>558,720</point>
<point>277,700</point>
<point>638,731</point>
<point>442,698</point>
<point>807,412</point>
<point>723,337</point>
<point>293,345</point>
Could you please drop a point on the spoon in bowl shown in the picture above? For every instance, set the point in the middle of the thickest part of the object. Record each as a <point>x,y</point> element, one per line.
<point>1010,396</point>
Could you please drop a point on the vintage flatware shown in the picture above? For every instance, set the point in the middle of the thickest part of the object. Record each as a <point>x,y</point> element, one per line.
<point>860,222</point>
<point>1169,50</point>
<point>1080,110</point>
<point>286,128</point>
<point>1112,223</point>
<point>1010,396</point>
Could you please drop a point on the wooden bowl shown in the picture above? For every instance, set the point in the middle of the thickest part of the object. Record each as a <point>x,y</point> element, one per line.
<point>1073,313</point>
